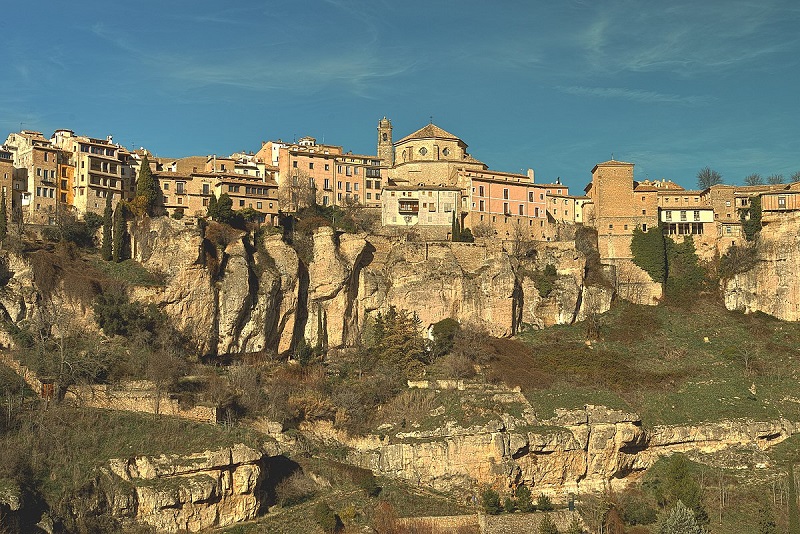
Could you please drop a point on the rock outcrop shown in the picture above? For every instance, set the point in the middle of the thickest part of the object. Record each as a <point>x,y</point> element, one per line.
<point>773,285</point>
<point>240,298</point>
<point>578,451</point>
<point>182,493</point>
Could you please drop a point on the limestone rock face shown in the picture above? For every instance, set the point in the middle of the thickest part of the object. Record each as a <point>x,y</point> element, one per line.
<point>773,285</point>
<point>587,450</point>
<point>185,493</point>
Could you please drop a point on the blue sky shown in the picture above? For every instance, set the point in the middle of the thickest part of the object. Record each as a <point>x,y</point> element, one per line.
<point>556,86</point>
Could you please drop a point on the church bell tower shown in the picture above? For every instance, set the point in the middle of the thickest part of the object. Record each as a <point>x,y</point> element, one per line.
<point>385,146</point>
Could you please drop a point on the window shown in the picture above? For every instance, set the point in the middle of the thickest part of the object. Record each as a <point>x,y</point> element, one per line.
<point>644,227</point>
<point>481,206</point>
<point>522,209</point>
<point>310,164</point>
<point>369,184</point>
<point>166,200</point>
<point>326,183</point>
<point>530,196</point>
<point>642,199</point>
<point>355,186</point>
<point>668,215</point>
<point>180,200</point>
<point>355,171</point>
<point>541,196</point>
<point>369,195</point>
<point>294,164</point>
<point>377,184</point>
<point>338,185</point>
<point>480,191</point>
<point>165,186</point>
<point>683,215</point>
<point>696,215</point>
<point>782,201</point>
<point>727,203</point>
<point>241,203</point>
<point>339,168</point>
<point>644,212</point>
<point>347,187</point>
<point>206,189</point>
<point>327,168</point>
<point>505,193</point>
<point>258,205</point>
<point>505,208</point>
<point>205,202</point>
<point>535,212</point>
<point>377,196</point>
<point>348,171</point>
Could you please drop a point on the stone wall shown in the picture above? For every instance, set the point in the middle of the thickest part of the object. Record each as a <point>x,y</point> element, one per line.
<point>516,523</point>
<point>27,375</point>
<point>140,396</point>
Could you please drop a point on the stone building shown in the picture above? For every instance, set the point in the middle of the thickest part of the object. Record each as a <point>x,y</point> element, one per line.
<point>36,163</point>
<point>420,207</point>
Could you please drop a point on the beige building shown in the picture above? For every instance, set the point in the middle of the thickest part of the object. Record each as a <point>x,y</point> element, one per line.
<point>97,171</point>
<point>411,206</point>
<point>36,163</point>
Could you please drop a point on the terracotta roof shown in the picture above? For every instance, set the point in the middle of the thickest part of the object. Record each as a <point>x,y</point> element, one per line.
<point>429,131</point>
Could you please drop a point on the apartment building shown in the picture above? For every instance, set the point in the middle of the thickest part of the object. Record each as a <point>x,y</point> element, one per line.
<point>36,163</point>
<point>423,206</point>
<point>7,178</point>
<point>97,171</point>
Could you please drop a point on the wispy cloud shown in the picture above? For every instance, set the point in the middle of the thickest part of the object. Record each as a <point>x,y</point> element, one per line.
<point>636,95</point>
<point>684,37</point>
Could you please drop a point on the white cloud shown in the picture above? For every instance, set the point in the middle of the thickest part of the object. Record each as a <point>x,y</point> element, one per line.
<point>632,94</point>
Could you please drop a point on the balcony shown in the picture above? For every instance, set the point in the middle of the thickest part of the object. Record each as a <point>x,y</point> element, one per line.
<point>408,207</point>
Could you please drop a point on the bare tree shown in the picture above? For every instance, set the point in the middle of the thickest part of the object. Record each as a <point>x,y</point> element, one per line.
<point>707,177</point>
<point>297,191</point>
<point>753,179</point>
<point>775,179</point>
<point>795,177</point>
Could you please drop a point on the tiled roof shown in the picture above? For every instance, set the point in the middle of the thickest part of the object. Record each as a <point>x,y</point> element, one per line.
<point>429,131</point>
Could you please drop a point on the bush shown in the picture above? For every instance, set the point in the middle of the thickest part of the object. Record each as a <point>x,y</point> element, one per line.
<point>737,260</point>
<point>509,505</point>
<point>544,503</point>
<point>325,518</point>
<point>546,526</point>
<point>524,501</point>
<point>444,333</point>
<point>491,501</point>
<point>294,489</point>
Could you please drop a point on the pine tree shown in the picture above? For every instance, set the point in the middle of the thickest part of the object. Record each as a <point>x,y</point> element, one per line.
<point>574,527</point>
<point>546,526</point>
<point>118,252</point>
<point>455,232</point>
<point>680,520</point>
<point>108,222</point>
<point>147,191</point>
<point>3,217</point>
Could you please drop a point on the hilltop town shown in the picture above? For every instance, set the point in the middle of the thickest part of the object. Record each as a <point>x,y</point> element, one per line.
<point>401,342</point>
<point>426,182</point>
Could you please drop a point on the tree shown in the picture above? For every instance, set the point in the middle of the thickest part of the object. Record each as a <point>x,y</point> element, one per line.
<point>794,513</point>
<point>3,217</point>
<point>546,526</point>
<point>491,501</point>
<point>775,179</point>
<point>118,250</point>
<point>753,179</point>
<point>795,177</point>
<point>751,218</point>
<point>225,212</point>
<point>544,503</point>
<point>211,210</point>
<point>524,502</point>
<point>147,192</point>
<point>108,224</point>
<point>766,520</point>
<point>455,231</point>
<point>707,177</point>
<point>680,520</point>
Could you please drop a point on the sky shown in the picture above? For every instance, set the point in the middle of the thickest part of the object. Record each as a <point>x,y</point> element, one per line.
<point>555,86</point>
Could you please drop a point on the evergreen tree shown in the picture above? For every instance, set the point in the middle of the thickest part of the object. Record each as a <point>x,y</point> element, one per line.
<point>147,191</point>
<point>118,251</point>
<point>3,217</point>
<point>680,520</point>
<point>225,212</point>
<point>751,219</point>
<point>455,231</point>
<point>546,526</point>
<point>108,222</point>
<point>766,520</point>
<point>211,211</point>
<point>491,502</point>
<point>524,502</point>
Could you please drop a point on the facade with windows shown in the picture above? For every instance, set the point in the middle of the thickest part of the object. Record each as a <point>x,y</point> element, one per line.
<point>410,206</point>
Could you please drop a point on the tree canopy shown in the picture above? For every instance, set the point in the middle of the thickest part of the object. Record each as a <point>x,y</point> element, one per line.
<point>707,177</point>
<point>753,179</point>
<point>147,192</point>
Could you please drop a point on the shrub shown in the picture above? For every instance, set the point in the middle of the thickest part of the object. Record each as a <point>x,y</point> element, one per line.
<point>546,526</point>
<point>544,279</point>
<point>325,517</point>
<point>524,501</point>
<point>509,505</point>
<point>544,503</point>
<point>737,260</point>
<point>491,501</point>
<point>751,219</point>
<point>444,333</point>
<point>294,489</point>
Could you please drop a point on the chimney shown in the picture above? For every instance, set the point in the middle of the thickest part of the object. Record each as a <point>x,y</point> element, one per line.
<point>530,175</point>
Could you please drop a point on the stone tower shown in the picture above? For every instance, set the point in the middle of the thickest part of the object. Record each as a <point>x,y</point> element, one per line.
<point>385,146</point>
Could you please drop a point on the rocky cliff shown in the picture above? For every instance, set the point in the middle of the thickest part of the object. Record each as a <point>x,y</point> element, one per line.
<point>180,493</point>
<point>773,285</point>
<point>240,298</point>
<point>577,451</point>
